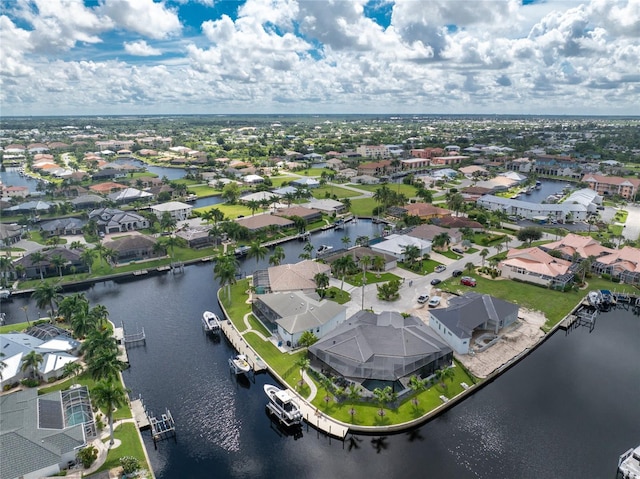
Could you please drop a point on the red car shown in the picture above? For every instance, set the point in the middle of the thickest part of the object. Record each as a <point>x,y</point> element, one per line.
<point>468,281</point>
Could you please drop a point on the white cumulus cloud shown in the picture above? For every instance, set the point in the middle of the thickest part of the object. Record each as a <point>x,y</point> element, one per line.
<point>140,48</point>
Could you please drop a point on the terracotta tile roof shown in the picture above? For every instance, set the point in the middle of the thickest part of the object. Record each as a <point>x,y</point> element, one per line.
<point>534,260</point>
<point>585,246</point>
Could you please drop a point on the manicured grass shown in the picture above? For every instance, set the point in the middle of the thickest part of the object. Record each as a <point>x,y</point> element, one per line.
<point>408,190</point>
<point>367,413</point>
<point>615,229</point>
<point>450,254</point>
<point>363,206</point>
<point>310,172</point>
<point>283,364</point>
<point>427,266</point>
<point>321,192</point>
<point>230,211</point>
<point>621,216</point>
<point>237,306</point>
<point>278,181</point>
<point>337,295</point>
<point>472,250</point>
<point>185,181</point>
<point>258,326</point>
<point>130,446</point>
<point>203,191</point>
<point>9,328</point>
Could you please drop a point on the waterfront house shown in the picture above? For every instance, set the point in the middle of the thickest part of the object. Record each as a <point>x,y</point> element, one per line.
<point>395,245</point>
<point>622,264</point>
<point>533,265</point>
<point>534,211</point>
<point>86,202</point>
<point>41,435</point>
<point>107,187</point>
<point>30,207</point>
<point>573,245</point>
<point>129,195</point>
<point>292,313</point>
<point>469,314</point>
<point>326,205</point>
<point>424,211</point>
<point>308,214</point>
<point>305,182</point>
<point>385,347</point>
<point>458,222</point>
<point>430,231</point>
<point>289,277</point>
<point>177,210</point>
<point>47,267</point>
<point>376,168</point>
<point>196,236</point>
<point>264,221</point>
<point>134,247</point>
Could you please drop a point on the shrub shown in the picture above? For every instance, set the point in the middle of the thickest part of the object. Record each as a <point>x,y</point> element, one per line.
<point>129,464</point>
<point>88,456</point>
<point>30,382</point>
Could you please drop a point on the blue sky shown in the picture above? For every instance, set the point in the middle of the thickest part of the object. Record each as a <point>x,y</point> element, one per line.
<point>319,56</point>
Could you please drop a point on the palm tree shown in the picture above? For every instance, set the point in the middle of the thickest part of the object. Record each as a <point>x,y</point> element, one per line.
<point>378,264</point>
<point>441,241</point>
<point>362,241</point>
<point>254,205</point>
<point>99,315</point>
<point>484,254</point>
<point>343,266</point>
<point>225,271</point>
<point>98,342</point>
<point>443,374</point>
<point>76,245</point>
<point>303,363</point>
<point>384,396</point>
<point>322,283</point>
<point>469,267</point>
<point>30,362</point>
<point>26,315</point>
<point>411,254</point>
<point>109,395</point>
<point>72,305</point>
<point>59,262</point>
<point>308,250</point>
<point>416,384</point>
<point>257,251</point>
<point>72,369</point>
<point>105,365</point>
<point>278,255</point>
<point>37,257</point>
<point>5,265</point>
<point>346,241</point>
<point>47,294</point>
<point>88,256</point>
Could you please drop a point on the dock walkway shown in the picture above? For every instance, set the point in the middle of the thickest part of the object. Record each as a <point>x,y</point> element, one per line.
<point>241,345</point>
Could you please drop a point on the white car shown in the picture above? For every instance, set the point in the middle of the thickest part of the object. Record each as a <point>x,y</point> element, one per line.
<point>435,301</point>
<point>423,298</point>
<point>440,268</point>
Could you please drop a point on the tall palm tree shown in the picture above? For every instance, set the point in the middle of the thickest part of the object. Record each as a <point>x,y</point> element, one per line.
<point>416,384</point>
<point>346,241</point>
<point>5,265</point>
<point>47,294</point>
<point>109,395</point>
<point>278,255</point>
<point>30,362</point>
<point>441,241</point>
<point>411,255</point>
<point>225,270</point>
<point>37,257</point>
<point>26,314</point>
<point>343,266</point>
<point>378,263</point>
<point>257,251</point>
<point>483,254</point>
<point>254,205</point>
<point>88,256</point>
<point>455,202</point>
<point>105,365</point>
<point>384,396</point>
<point>443,374</point>
<point>98,342</point>
<point>59,262</point>
<point>72,305</point>
<point>322,283</point>
<point>469,267</point>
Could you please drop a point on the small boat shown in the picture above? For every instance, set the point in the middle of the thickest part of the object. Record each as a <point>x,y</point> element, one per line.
<point>282,405</point>
<point>594,298</point>
<point>324,248</point>
<point>538,185</point>
<point>239,364</point>
<point>629,463</point>
<point>211,322</point>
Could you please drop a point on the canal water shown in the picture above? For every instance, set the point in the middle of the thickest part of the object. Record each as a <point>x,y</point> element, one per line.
<point>566,411</point>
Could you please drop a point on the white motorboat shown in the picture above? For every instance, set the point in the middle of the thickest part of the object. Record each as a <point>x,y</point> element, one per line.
<point>594,298</point>
<point>239,364</point>
<point>282,405</point>
<point>323,248</point>
<point>211,322</point>
<point>629,463</point>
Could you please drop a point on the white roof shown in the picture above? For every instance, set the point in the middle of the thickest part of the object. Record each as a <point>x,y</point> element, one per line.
<point>171,206</point>
<point>252,178</point>
<point>57,345</point>
<point>395,244</point>
<point>55,362</point>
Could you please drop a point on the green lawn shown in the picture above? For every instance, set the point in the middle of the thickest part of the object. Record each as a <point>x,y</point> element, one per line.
<point>408,190</point>
<point>230,211</point>
<point>338,295</point>
<point>203,191</point>
<point>9,328</point>
<point>278,181</point>
<point>258,326</point>
<point>237,306</point>
<point>312,172</point>
<point>320,192</point>
<point>450,254</point>
<point>372,277</point>
<point>621,216</point>
<point>427,266</point>
<point>130,446</point>
<point>363,206</point>
<point>367,413</point>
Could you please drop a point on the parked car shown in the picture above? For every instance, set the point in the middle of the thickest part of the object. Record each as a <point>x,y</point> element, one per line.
<point>435,281</point>
<point>435,301</point>
<point>468,281</point>
<point>457,250</point>
<point>440,268</point>
<point>456,273</point>
<point>423,298</point>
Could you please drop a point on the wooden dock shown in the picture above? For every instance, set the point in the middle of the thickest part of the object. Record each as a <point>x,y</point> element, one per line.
<point>140,414</point>
<point>317,419</point>
<point>240,345</point>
